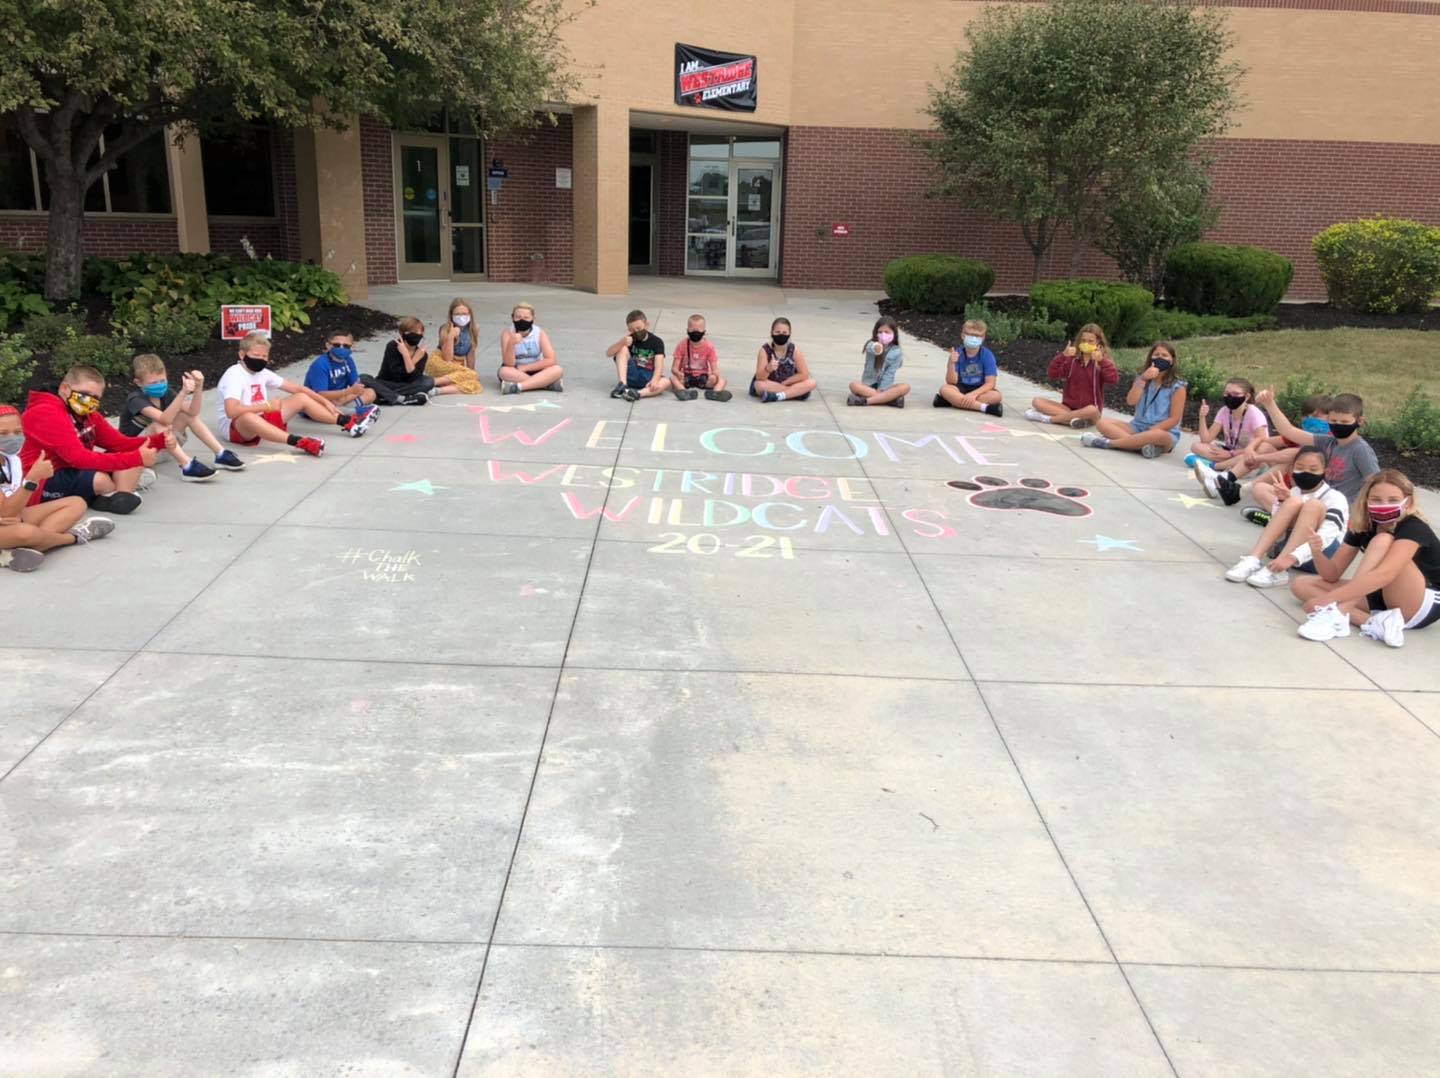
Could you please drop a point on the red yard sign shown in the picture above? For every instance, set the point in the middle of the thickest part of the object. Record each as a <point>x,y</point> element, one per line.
<point>236,322</point>
<point>839,230</point>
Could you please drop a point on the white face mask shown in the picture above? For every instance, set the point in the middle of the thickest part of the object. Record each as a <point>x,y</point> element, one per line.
<point>461,320</point>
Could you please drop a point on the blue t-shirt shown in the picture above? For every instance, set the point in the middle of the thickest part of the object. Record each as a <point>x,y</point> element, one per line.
<point>327,374</point>
<point>971,371</point>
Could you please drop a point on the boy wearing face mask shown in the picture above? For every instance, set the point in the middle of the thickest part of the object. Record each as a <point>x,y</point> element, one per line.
<point>639,358</point>
<point>335,377</point>
<point>28,531</point>
<point>1352,460</point>
<point>247,415</point>
<point>92,459</point>
<point>971,374</point>
<point>156,407</point>
<point>697,367</point>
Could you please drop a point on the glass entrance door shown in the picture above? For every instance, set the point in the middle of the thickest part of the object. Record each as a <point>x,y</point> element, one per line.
<point>419,168</point>
<point>755,199</point>
<point>467,208</point>
<point>642,216</point>
<point>733,215</point>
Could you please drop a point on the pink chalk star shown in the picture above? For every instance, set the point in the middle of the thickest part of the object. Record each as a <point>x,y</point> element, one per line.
<point>402,438</point>
<point>991,428</point>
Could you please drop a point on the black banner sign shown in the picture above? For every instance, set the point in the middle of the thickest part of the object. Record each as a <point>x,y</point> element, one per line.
<point>706,79</point>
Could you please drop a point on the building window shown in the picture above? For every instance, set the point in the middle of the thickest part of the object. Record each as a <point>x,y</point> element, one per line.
<point>239,174</point>
<point>138,183</point>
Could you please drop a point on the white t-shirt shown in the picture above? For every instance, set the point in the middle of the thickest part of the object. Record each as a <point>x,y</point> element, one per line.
<point>247,387</point>
<point>13,477</point>
<point>1332,525</point>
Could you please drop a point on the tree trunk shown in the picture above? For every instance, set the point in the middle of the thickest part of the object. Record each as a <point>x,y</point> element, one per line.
<point>62,256</point>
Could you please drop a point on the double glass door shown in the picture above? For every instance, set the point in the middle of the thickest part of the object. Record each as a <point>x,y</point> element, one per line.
<point>733,218</point>
<point>440,192</point>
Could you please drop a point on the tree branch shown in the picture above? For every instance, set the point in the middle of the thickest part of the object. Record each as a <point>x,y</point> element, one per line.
<point>89,134</point>
<point>30,131</point>
<point>131,135</point>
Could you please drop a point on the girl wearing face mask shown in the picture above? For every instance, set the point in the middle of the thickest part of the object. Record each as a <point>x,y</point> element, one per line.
<point>27,531</point>
<point>1220,450</point>
<point>453,362</point>
<point>527,358</point>
<point>1397,586</point>
<point>1158,397</point>
<point>882,358</point>
<point>781,372</point>
<point>1313,508</point>
<point>1086,369</point>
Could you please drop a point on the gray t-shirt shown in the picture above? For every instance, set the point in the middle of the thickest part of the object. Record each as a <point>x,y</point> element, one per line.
<point>1350,464</point>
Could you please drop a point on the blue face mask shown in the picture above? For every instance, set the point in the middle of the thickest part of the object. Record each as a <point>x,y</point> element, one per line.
<point>974,342</point>
<point>341,354</point>
<point>157,389</point>
<point>1315,425</point>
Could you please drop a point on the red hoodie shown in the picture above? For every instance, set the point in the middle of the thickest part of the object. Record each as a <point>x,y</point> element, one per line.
<point>49,425</point>
<point>1084,382</point>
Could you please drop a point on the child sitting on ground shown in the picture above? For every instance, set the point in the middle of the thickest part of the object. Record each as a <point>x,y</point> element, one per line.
<point>454,361</point>
<point>639,359</point>
<point>1314,507</point>
<point>335,377</point>
<point>696,366</point>
<point>1397,586</point>
<point>92,459</point>
<point>882,357</point>
<point>247,415</point>
<point>403,378</point>
<point>155,407</point>
<point>1351,458</point>
<point>1158,397</point>
<point>527,358</point>
<point>28,531</point>
<point>970,376</point>
<point>781,372</point>
<point>1220,450</point>
<point>1275,452</point>
<point>1086,369</point>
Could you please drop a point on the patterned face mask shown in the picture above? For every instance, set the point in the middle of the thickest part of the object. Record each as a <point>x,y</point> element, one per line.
<point>82,404</point>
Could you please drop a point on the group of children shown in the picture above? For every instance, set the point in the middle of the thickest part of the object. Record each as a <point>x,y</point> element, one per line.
<point>1318,491</point>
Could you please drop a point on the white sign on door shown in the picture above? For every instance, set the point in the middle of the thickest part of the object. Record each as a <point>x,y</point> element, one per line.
<point>462,175</point>
<point>562,179</point>
<point>754,204</point>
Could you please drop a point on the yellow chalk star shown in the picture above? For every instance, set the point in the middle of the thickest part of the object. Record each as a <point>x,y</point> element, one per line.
<point>271,458</point>
<point>1190,503</point>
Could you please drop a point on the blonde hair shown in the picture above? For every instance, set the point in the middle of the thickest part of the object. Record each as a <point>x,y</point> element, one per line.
<point>975,326</point>
<point>694,318</point>
<point>148,363</point>
<point>458,302</point>
<point>82,374</point>
<point>411,324</point>
<point>1360,507</point>
<point>1095,331</point>
<point>251,339</point>
<point>523,307</point>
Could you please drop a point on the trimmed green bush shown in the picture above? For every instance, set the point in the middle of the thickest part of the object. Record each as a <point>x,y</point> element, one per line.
<point>1002,328</point>
<point>45,332</point>
<point>1118,308</point>
<point>1213,278</point>
<point>937,284</point>
<point>109,355</point>
<point>16,367</point>
<point>1163,324</point>
<point>1380,265</point>
<point>174,335</point>
<point>1297,391</point>
<point>1414,428</point>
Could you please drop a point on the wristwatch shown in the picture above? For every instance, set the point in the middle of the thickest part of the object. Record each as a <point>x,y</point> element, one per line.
<point>30,485</point>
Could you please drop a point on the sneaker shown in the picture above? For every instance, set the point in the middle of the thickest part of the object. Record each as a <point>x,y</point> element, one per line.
<point>557,386</point>
<point>680,394</point>
<point>1243,569</point>
<point>120,503</point>
<point>419,398</point>
<point>147,479</point>
<point>1229,489</point>
<point>1036,416</point>
<point>92,528</point>
<point>509,388</point>
<point>21,559</point>
<point>1080,423</point>
<point>770,398</point>
<point>1255,515</point>
<point>1095,440</point>
<point>195,472</point>
<point>1192,459</point>
<point>898,402</point>
<point>615,394</point>
<point>1327,623</point>
<point>631,395</point>
<point>314,446</point>
<point>367,419</point>
<point>940,402</point>
<point>721,395</point>
<point>854,399</point>
<point>352,427</point>
<point>997,410</point>
<point>1150,452</point>
<point>229,461</point>
<point>1264,578</point>
<point>1387,626</point>
<point>1205,477</point>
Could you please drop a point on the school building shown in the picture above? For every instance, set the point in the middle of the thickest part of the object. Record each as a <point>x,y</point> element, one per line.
<point>759,139</point>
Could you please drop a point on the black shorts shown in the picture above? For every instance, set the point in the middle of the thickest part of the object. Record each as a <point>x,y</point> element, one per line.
<point>697,381</point>
<point>70,483</point>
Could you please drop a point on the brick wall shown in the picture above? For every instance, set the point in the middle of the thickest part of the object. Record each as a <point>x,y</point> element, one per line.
<point>1276,194</point>
<point>533,215</point>
<point>377,170</point>
<point>671,186</point>
<point>109,237</point>
<point>287,202</point>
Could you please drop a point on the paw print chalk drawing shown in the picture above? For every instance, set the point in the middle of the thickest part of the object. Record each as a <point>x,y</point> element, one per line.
<point>989,492</point>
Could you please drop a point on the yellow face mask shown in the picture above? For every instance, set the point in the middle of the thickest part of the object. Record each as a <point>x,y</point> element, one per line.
<point>1088,346</point>
<point>82,404</point>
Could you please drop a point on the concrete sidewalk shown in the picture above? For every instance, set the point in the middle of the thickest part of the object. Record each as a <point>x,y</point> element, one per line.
<point>556,735</point>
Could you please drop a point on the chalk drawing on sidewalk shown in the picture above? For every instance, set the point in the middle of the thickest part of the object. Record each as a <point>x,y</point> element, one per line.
<point>419,486</point>
<point>1037,495</point>
<point>1103,543</point>
<point>383,566</point>
<point>1190,503</point>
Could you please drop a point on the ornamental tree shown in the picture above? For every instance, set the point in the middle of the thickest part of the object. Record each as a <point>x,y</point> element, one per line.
<point>1058,110</point>
<point>77,67</point>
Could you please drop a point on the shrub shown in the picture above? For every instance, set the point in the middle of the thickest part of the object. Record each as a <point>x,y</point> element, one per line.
<point>16,302</point>
<point>1205,381</point>
<point>937,284</point>
<point>1118,308</point>
<point>1297,391</point>
<point>1163,324</point>
<point>1212,278</point>
<point>1414,427</point>
<point>1380,265</point>
<point>43,332</point>
<point>109,355</point>
<point>16,367</point>
<point>177,334</point>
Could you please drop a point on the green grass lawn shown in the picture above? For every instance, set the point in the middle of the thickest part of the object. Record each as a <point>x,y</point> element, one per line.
<point>1381,365</point>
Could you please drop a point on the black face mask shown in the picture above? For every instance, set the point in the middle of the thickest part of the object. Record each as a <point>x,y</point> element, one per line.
<point>780,339</point>
<point>255,364</point>
<point>1307,480</point>
<point>1341,431</point>
<point>638,334</point>
<point>696,335</point>
<point>412,339</point>
<point>1161,365</point>
<point>1233,402</point>
<point>523,325</point>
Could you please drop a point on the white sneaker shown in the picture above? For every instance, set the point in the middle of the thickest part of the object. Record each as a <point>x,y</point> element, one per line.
<point>1387,626</point>
<point>147,479</point>
<point>1326,623</point>
<point>1243,569</point>
<point>1036,416</point>
<point>1264,578</point>
<point>1205,476</point>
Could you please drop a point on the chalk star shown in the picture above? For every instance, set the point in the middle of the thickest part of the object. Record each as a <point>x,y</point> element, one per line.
<point>1190,503</point>
<point>272,458</point>
<point>406,438</point>
<point>419,486</point>
<point>1104,542</point>
<point>507,408</point>
<point>992,428</point>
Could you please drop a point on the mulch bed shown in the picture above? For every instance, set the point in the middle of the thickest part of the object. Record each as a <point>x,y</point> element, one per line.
<point>217,355</point>
<point>1031,359</point>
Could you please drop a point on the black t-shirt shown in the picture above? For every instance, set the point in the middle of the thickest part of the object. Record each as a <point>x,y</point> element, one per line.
<point>1427,558</point>
<point>132,423</point>
<point>644,352</point>
<point>392,367</point>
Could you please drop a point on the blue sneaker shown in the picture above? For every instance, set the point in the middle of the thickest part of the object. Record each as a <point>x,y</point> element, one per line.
<point>1193,459</point>
<point>229,461</point>
<point>195,472</point>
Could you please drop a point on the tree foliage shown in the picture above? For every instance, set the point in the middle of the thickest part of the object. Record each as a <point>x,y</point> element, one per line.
<point>1059,111</point>
<point>77,67</point>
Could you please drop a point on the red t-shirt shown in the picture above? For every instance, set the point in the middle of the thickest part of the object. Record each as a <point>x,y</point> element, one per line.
<point>696,359</point>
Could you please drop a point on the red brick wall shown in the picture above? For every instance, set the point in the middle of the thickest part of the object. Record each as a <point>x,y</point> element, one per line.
<point>105,236</point>
<point>671,186</point>
<point>287,202</point>
<point>533,216</point>
<point>377,171</point>
<point>1276,194</point>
